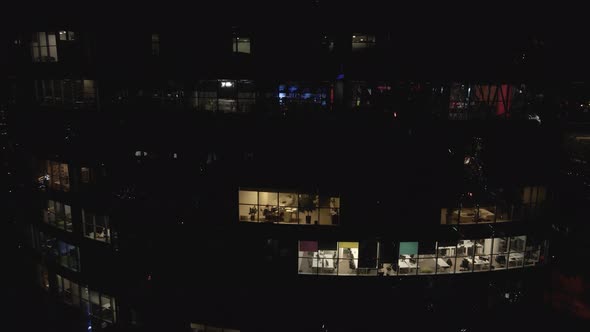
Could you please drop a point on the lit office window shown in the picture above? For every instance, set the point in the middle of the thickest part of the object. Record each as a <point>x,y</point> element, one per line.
<point>100,307</point>
<point>326,258</point>
<point>321,257</point>
<point>408,258</point>
<point>96,227</point>
<point>288,208</point>
<point>517,249</point>
<point>348,258</point>
<point>55,175</point>
<point>44,47</point>
<point>427,261</point>
<point>473,213</point>
<point>465,253</point>
<point>303,96</point>
<point>499,253</point>
<point>58,215</point>
<point>374,258</point>
<point>67,35</point>
<point>447,253</point>
<point>155,44</point>
<point>532,251</point>
<point>362,41</point>
<point>67,290</point>
<point>70,93</point>
<point>481,101</point>
<point>482,255</point>
<point>224,96</point>
<point>241,45</point>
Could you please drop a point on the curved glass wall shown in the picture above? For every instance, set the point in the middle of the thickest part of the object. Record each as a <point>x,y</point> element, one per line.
<point>377,258</point>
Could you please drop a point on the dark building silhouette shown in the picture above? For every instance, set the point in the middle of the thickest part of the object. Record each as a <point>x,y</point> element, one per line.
<point>225,175</point>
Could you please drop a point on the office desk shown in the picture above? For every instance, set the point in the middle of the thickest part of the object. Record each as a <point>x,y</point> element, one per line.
<point>515,259</point>
<point>442,264</point>
<point>479,264</point>
<point>406,265</point>
<point>323,260</point>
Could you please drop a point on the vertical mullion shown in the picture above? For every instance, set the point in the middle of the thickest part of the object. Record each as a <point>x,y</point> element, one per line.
<point>62,91</point>
<point>218,87</point>
<point>258,205</point>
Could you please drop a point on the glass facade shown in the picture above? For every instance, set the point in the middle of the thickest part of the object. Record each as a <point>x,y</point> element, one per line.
<point>417,258</point>
<point>304,96</point>
<point>224,96</point>
<point>480,101</point>
<point>241,45</point>
<point>101,308</point>
<point>96,227</point>
<point>44,47</point>
<point>54,175</point>
<point>68,92</point>
<point>58,215</point>
<point>288,207</point>
<point>68,255</point>
<point>499,211</point>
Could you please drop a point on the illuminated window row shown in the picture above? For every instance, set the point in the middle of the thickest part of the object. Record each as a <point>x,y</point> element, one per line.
<point>56,175</point>
<point>225,96</point>
<point>44,45</point>
<point>372,258</point>
<point>95,227</point>
<point>101,308</point>
<point>75,93</point>
<point>288,208</point>
<point>529,204</point>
